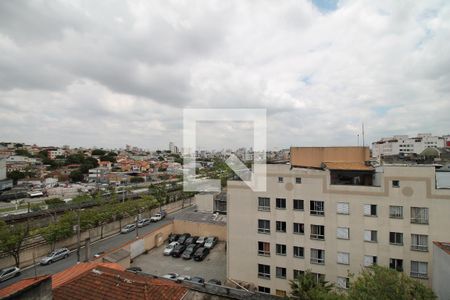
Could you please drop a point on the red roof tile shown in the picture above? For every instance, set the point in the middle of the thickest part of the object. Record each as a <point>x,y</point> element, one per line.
<point>76,270</point>
<point>21,285</point>
<point>106,283</point>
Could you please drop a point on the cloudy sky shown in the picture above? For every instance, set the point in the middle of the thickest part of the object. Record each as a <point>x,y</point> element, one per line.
<point>110,73</point>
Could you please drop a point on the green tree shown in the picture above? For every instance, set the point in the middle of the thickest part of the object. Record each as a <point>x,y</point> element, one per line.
<point>379,282</point>
<point>23,152</point>
<point>76,176</point>
<point>16,175</point>
<point>11,239</point>
<point>160,193</point>
<point>99,152</point>
<point>54,202</point>
<point>307,287</point>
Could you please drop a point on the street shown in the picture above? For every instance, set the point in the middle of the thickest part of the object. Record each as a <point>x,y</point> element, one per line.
<point>102,245</point>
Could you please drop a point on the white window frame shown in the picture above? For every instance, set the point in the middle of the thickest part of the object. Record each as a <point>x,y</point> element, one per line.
<point>369,260</point>
<point>419,242</point>
<point>420,215</point>
<point>315,257</point>
<point>368,210</point>
<point>343,208</point>
<point>342,282</point>
<point>297,256</point>
<point>396,212</point>
<point>419,269</point>
<point>263,207</point>
<point>343,233</point>
<point>369,236</point>
<point>343,258</point>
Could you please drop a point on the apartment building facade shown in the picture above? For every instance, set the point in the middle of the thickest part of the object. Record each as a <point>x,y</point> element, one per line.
<point>403,144</point>
<point>320,220</point>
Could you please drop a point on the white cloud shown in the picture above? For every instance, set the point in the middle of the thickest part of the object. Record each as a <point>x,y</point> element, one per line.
<point>120,73</point>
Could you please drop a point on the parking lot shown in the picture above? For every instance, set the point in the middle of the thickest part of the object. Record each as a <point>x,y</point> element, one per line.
<point>212,267</point>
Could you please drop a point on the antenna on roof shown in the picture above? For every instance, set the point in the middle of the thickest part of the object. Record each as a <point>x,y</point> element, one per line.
<point>357,136</point>
<point>363,134</point>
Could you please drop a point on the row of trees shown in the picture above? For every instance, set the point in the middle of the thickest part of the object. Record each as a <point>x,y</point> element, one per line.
<point>372,283</point>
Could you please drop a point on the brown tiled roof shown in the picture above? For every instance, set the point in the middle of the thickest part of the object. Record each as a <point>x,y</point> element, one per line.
<point>107,283</point>
<point>21,285</point>
<point>444,246</point>
<point>76,270</point>
<point>348,166</point>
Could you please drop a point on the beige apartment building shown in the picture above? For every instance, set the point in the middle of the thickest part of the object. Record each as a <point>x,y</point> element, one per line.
<point>334,213</point>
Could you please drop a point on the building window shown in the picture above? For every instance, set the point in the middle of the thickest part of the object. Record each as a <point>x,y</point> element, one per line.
<point>342,282</point>
<point>280,179</point>
<point>343,208</point>
<point>317,256</point>
<point>299,228</point>
<point>264,203</point>
<point>281,203</point>
<point>298,180</point>
<point>263,248</point>
<point>369,260</point>
<point>396,238</point>
<point>419,269</point>
<point>419,242</point>
<point>280,293</point>
<point>396,264</point>
<point>264,271</point>
<point>281,226</point>
<point>298,204</point>
<point>263,226</point>
<point>343,258</point>
<point>395,183</point>
<point>281,249</point>
<point>343,233</point>
<point>370,236</point>
<point>396,212</point>
<point>317,208</point>
<point>419,215</point>
<point>280,272</point>
<point>299,252</point>
<point>317,232</point>
<point>263,289</point>
<point>298,273</point>
<point>370,210</point>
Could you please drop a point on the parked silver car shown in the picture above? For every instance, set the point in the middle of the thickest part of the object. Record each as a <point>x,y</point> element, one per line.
<point>55,256</point>
<point>128,228</point>
<point>9,273</point>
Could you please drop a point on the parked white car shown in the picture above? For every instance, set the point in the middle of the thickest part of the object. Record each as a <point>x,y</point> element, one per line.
<point>128,228</point>
<point>143,222</point>
<point>158,216</point>
<point>171,276</point>
<point>55,256</point>
<point>9,273</point>
<point>211,242</point>
<point>168,250</point>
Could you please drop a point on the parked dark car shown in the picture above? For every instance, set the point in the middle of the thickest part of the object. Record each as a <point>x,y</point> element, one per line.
<point>173,237</point>
<point>178,250</point>
<point>201,253</point>
<point>215,281</point>
<point>134,269</point>
<point>190,250</point>
<point>183,238</point>
<point>191,240</point>
<point>197,279</point>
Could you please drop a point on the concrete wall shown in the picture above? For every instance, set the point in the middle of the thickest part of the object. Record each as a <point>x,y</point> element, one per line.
<point>2,168</point>
<point>205,202</point>
<point>200,229</point>
<point>93,234</point>
<point>315,156</point>
<point>441,273</point>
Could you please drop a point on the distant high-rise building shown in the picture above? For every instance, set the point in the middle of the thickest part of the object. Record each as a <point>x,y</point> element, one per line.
<point>173,148</point>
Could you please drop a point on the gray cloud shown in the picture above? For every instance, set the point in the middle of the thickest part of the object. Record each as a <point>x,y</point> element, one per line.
<point>111,73</point>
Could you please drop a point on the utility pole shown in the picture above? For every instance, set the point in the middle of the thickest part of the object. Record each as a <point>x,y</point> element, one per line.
<point>137,228</point>
<point>78,235</point>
